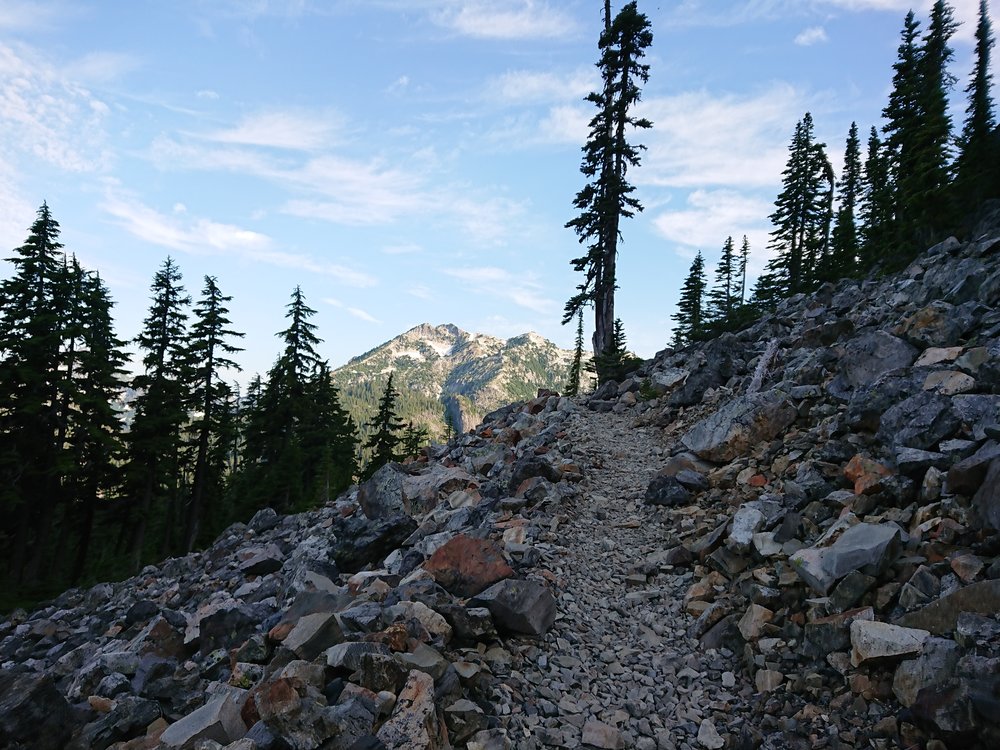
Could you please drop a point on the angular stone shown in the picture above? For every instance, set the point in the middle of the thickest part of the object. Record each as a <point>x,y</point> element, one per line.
<point>966,567</point>
<point>937,355</point>
<point>876,640</point>
<point>262,560</point>
<point>520,606</point>
<point>941,616</point>
<point>33,713</point>
<point>666,491</point>
<point>362,542</point>
<point>601,735</point>
<point>739,425</point>
<point>935,325</point>
<point>413,723</point>
<point>313,634</point>
<point>913,462</point>
<point>979,411</point>
<point>264,520</point>
<point>435,624</point>
<point>464,719</point>
<point>986,501</point>
<point>949,382</point>
<point>422,492</point>
<point>866,547</point>
<point>348,656</point>
<point>935,666</point>
<point>219,719</point>
<point>966,476</point>
<point>768,680</point>
<point>747,521</point>
<point>865,473</point>
<point>920,421</point>
<point>425,659</point>
<point>825,635</point>
<point>753,621</point>
<point>382,495</point>
<point>868,356</point>
<point>296,711</point>
<point>465,566</point>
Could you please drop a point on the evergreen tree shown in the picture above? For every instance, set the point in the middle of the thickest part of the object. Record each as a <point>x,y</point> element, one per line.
<point>616,362</point>
<point>877,205</point>
<point>329,440</point>
<point>978,168</point>
<point>414,438</point>
<point>741,269</point>
<point>209,352</point>
<point>576,368</point>
<point>844,241</point>
<point>94,432</point>
<point>690,318</point>
<point>608,196</point>
<point>721,300</point>
<point>32,313</point>
<point>801,218</point>
<point>385,437</point>
<point>154,441</point>
<point>274,446</point>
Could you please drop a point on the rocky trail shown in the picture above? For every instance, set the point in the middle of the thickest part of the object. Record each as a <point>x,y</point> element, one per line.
<point>784,538</point>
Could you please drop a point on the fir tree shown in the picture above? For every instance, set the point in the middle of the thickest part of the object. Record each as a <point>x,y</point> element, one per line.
<point>801,218</point>
<point>607,156</point>
<point>741,269</point>
<point>844,242</point>
<point>329,440</point>
<point>721,300</point>
<point>877,205</point>
<point>689,318</point>
<point>32,315</point>
<point>576,368</point>
<point>385,433</point>
<point>209,351</point>
<point>616,362</point>
<point>978,167</point>
<point>414,438</point>
<point>154,441</point>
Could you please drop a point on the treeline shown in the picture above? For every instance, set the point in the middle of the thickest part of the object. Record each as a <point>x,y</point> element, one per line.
<point>916,183</point>
<point>84,496</point>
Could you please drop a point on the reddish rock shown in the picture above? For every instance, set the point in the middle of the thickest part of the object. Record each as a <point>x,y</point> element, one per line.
<point>465,566</point>
<point>757,480</point>
<point>865,473</point>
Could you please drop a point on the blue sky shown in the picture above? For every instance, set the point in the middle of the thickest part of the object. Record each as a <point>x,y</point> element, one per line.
<point>411,161</point>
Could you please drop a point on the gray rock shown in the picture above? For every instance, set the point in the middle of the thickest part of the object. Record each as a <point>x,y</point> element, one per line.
<point>414,720</point>
<point>263,520</point>
<point>747,521</point>
<point>865,547</point>
<point>313,634</point>
<point>219,719</point>
<point>740,425</point>
<point>382,495</point>
<point>666,491</point>
<point>935,666</point>
<point>941,616</point>
<point>33,713</point>
<point>868,356</point>
<point>978,411</point>
<point>920,421</point>
<point>519,606</point>
<point>879,640</point>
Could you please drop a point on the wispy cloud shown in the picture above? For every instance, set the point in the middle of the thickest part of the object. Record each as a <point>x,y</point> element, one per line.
<point>356,312</point>
<point>703,139</point>
<point>514,19</point>
<point>403,249</point>
<point>420,291</point>
<point>812,35</point>
<point>46,116</point>
<point>18,15</point>
<point>521,289</point>
<point>208,94</point>
<point>102,67</point>
<point>532,87</point>
<point>199,235</point>
<point>295,130</point>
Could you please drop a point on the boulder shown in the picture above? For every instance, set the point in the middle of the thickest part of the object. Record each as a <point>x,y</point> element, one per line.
<point>868,356</point>
<point>986,501</point>
<point>414,722</point>
<point>312,634</point>
<point>940,616</point>
<point>465,566</point>
<point>967,475</point>
<point>33,713</point>
<point>219,719</point>
<point>867,547</point>
<point>382,495</point>
<point>920,421</point>
<point>601,735</point>
<point>519,606</point>
<point>871,639</point>
<point>740,425</point>
<point>935,666</point>
<point>361,541</point>
<point>667,491</point>
<point>977,412</point>
<point>422,492</point>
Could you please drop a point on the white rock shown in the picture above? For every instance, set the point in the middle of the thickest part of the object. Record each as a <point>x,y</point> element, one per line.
<point>875,640</point>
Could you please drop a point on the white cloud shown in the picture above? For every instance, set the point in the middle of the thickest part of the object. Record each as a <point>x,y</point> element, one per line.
<point>102,67</point>
<point>18,15</point>
<point>299,131</point>
<point>812,35</point>
<point>45,116</point>
<point>357,312</point>
<point>513,19</point>
<point>203,235</point>
<point>702,139</point>
<point>207,94</point>
<point>404,249</point>
<point>566,124</point>
<point>531,87</point>
<point>521,289</point>
<point>420,291</point>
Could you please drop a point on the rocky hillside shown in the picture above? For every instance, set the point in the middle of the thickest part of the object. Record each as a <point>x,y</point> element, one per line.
<point>443,369</point>
<point>794,544</point>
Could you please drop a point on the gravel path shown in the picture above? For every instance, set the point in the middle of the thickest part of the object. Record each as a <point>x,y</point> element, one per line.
<point>617,669</point>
